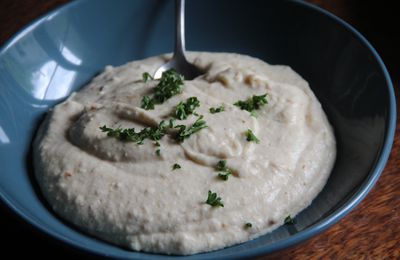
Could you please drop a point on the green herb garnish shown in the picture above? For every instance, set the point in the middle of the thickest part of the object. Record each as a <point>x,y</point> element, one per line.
<point>289,220</point>
<point>180,112</point>
<point>213,200</point>
<point>214,110</point>
<point>147,103</point>
<point>158,152</point>
<point>146,77</point>
<point>184,109</point>
<point>224,171</point>
<point>250,137</point>
<point>248,225</point>
<point>176,166</point>
<point>170,84</point>
<point>129,134</point>
<point>221,165</point>
<point>253,103</point>
<point>224,176</point>
<point>171,123</point>
<point>185,132</point>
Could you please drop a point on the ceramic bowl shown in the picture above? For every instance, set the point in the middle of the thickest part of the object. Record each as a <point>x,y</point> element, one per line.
<point>63,50</point>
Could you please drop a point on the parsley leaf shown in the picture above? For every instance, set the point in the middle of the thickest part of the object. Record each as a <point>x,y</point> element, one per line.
<point>214,110</point>
<point>252,103</point>
<point>250,137</point>
<point>224,176</point>
<point>248,225</point>
<point>176,166</point>
<point>129,134</point>
<point>213,200</point>
<point>221,165</point>
<point>170,84</point>
<point>184,109</point>
<point>171,123</point>
<point>180,112</point>
<point>289,220</point>
<point>191,104</point>
<point>147,103</point>
<point>185,132</point>
<point>158,152</point>
<point>224,171</point>
<point>146,77</point>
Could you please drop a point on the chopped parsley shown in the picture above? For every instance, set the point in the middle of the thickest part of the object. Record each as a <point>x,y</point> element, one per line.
<point>214,110</point>
<point>146,77</point>
<point>147,103</point>
<point>213,200</point>
<point>184,109</point>
<point>171,123</point>
<point>252,103</point>
<point>250,137</point>
<point>221,165</point>
<point>224,175</point>
<point>289,220</point>
<point>170,84</point>
<point>180,112</point>
<point>129,134</point>
<point>158,152</point>
<point>224,171</point>
<point>176,166</point>
<point>185,132</point>
<point>248,225</point>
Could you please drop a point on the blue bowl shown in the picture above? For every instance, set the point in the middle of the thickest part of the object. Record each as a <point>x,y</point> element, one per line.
<point>64,49</point>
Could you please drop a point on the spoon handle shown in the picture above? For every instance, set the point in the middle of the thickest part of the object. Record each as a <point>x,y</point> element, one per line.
<point>180,29</point>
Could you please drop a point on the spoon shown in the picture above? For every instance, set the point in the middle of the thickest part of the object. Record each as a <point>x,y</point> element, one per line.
<point>179,61</point>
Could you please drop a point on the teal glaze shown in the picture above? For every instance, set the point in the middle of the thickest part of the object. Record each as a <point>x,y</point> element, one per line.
<point>60,52</point>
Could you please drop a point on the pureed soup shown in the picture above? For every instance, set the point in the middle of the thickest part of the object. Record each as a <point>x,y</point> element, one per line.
<point>180,167</point>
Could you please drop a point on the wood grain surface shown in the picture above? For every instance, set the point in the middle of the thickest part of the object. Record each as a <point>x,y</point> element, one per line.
<point>370,231</point>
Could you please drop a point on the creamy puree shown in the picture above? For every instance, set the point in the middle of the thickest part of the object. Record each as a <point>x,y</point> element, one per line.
<point>126,194</point>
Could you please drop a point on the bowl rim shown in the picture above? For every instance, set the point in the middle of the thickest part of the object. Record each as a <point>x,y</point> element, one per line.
<point>306,234</point>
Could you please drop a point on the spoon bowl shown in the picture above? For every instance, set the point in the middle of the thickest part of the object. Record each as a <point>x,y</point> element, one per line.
<point>182,66</point>
<point>179,62</point>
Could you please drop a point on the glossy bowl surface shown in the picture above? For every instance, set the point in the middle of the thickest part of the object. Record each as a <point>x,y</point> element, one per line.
<point>64,49</point>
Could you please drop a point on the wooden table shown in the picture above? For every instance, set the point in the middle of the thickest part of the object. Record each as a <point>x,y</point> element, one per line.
<point>371,231</point>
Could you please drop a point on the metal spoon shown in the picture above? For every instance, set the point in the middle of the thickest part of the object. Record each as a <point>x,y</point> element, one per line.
<point>179,61</point>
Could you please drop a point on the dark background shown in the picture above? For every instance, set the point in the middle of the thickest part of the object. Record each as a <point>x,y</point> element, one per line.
<point>372,230</point>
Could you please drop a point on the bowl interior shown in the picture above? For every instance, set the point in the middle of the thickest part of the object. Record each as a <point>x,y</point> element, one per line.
<point>63,50</point>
